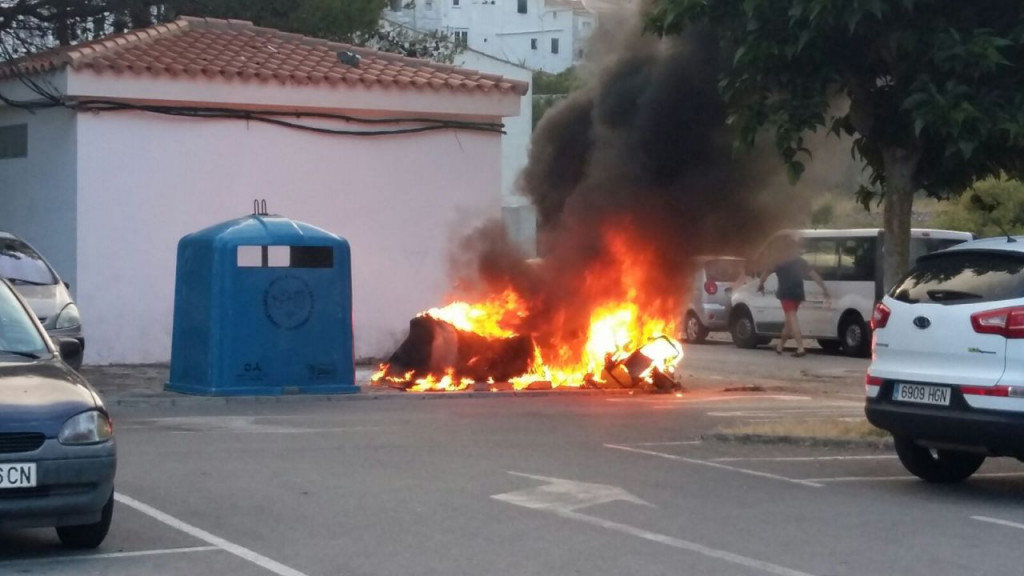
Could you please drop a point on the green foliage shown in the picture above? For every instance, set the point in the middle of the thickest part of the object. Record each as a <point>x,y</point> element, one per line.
<point>31,25</point>
<point>942,81</point>
<point>823,215</point>
<point>550,89</point>
<point>438,45</point>
<point>543,103</point>
<point>545,83</point>
<point>987,209</point>
<point>330,19</point>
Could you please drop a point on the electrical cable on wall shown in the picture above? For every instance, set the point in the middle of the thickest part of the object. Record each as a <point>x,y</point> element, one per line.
<point>51,99</point>
<point>424,124</point>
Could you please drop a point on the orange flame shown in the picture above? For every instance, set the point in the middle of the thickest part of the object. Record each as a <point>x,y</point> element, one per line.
<point>626,326</point>
<point>616,331</point>
<point>485,318</point>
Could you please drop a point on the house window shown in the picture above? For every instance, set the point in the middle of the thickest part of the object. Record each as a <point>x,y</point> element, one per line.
<point>429,4</point>
<point>14,141</point>
<point>455,3</point>
<point>554,45</point>
<point>533,43</point>
<point>461,37</point>
<point>522,6</point>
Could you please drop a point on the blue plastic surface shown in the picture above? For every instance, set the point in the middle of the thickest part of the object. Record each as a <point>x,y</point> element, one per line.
<point>262,306</point>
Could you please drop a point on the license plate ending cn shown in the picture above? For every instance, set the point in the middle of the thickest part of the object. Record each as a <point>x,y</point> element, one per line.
<point>22,475</point>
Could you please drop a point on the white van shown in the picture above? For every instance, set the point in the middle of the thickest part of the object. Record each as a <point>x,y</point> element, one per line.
<point>850,263</point>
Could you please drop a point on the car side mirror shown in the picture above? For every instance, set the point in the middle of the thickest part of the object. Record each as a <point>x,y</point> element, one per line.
<point>70,349</point>
<point>66,284</point>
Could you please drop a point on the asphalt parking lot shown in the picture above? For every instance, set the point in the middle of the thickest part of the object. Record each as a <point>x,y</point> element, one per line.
<point>551,484</point>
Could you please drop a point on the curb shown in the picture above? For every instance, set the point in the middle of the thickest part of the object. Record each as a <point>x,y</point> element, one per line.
<point>812,441</point>
<point>184,400</point>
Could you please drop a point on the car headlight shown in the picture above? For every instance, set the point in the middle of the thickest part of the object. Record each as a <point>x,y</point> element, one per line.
<point>68,317</point>
<point>90,427</point>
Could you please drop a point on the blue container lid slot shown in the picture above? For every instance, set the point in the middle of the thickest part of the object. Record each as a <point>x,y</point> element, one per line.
<point>263,256</point>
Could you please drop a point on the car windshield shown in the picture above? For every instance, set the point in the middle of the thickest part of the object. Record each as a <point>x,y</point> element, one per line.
<point>724,269</point>
<point>18,334</point>
<point>20,264</point>
<point>963,277</point>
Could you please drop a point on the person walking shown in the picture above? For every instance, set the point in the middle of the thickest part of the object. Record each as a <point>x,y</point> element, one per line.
<point>790,271</point>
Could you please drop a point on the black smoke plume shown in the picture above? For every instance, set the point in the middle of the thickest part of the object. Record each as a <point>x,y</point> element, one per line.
<point>631,177</point>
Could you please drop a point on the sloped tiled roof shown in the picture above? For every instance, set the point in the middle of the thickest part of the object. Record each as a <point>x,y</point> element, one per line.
<point>238,50</point>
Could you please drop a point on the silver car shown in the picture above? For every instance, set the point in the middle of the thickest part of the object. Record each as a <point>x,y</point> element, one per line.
<point>47,295</point>
<point>710,296</point>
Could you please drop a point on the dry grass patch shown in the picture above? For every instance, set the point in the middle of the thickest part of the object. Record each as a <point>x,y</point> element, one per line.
<point>816,428</point>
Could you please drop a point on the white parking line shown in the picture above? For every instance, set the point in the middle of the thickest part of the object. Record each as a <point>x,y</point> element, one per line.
<point>811,483</point>
<point>195,532</point>
<point>1006,523</point>
<point>110,555</point>
<point>800,458</point>
<point>682,544</point>
<point>906,478</point>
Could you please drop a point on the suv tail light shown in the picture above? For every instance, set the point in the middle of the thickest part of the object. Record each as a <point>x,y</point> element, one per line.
<point>880,317</point>
<point>1006,322</point>
<point>711,287</point>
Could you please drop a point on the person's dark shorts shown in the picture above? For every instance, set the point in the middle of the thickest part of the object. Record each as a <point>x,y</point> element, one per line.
<point>790,305</point>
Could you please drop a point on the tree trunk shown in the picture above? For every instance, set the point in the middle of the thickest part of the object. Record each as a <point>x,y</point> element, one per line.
<point>140,14</point>
<point>62,25</point>
<point>900,166</point>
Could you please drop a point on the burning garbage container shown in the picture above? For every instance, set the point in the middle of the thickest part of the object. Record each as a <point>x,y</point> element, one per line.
<point>262,306</point>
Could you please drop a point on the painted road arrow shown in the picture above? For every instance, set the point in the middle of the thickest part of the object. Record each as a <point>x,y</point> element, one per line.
<point>564,497</point>
<point>559,495</point>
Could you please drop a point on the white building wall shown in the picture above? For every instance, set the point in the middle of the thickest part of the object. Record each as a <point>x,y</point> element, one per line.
<point>518,213</point>
<point>37,192</point>
<point>145,181</point>
<point>584,24</point>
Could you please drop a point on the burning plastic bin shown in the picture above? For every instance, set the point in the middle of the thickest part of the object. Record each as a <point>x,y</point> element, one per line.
<point>262,306</point>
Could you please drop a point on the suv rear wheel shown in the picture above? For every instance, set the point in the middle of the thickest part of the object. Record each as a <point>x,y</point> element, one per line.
<point>938,466</point>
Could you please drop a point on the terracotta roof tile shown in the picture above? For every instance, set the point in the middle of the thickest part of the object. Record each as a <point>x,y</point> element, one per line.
<point>236,49</point>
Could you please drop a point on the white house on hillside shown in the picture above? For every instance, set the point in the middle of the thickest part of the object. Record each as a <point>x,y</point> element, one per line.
<point>171,129</point>
<point>545,35</point>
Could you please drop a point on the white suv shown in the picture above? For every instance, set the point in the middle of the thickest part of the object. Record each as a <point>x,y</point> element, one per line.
<point>947,374</point>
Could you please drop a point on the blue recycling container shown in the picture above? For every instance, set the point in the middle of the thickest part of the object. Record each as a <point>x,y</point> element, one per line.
<point>262,306</point>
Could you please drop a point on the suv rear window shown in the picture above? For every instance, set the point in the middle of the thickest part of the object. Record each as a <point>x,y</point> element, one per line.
<point>963,277</point>
<point>921,246</point>
<point>20,264</point>
<point>724,270</point>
